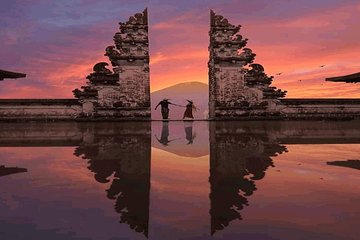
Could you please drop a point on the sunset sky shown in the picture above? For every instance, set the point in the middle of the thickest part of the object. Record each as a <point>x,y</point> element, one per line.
<point>56,43</point>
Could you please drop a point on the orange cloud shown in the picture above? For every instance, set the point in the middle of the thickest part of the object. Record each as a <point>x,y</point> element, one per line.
<point>294,45</point>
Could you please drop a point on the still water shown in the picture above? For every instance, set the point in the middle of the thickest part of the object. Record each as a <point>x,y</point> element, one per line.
<point>180,180</point>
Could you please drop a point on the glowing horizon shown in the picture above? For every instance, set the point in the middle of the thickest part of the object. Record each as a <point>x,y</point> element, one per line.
<point>57,45</point>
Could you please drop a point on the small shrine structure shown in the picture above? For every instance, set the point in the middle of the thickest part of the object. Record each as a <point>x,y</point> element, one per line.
<point>351,78</point>
<point>7,74</point>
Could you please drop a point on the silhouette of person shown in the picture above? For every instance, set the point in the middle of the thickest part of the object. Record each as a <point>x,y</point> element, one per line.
<point>189,110</point>
<point>164,108</point>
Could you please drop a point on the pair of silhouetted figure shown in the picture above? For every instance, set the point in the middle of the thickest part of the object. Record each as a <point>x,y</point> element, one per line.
<point>165,108</point>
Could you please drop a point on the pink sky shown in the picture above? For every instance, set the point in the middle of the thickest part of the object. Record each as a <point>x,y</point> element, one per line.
<point>57,45</point>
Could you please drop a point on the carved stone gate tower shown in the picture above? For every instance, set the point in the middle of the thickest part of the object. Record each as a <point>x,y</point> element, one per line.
<point>238,89</point>
<point>123,93</point>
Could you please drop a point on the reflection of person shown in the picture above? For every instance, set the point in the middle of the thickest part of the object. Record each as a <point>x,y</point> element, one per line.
<point>189,135</point>
<point>164,139</point>
<point>189,110</point>
<point>164,108</point>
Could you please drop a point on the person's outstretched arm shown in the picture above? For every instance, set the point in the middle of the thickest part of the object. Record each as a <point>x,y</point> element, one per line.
<point>157,106</point>
<point>176,104</point>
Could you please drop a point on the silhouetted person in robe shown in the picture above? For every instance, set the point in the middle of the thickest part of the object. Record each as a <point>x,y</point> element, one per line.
<point>189,110</point>
<point>164,108</point>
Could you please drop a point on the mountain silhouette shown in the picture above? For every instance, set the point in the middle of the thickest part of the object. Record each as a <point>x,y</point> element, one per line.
<point>195,91</point>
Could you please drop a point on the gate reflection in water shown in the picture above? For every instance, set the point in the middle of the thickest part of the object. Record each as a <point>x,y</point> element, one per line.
<point>179,180</point>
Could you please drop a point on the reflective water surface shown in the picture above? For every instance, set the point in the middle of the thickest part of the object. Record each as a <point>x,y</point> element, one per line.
<point>180,180</point>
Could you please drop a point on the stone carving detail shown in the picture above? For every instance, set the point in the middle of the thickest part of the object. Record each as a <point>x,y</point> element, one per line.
<point>237,86</point>
<point>125,91</point>
<point>219,21</point>
<point>132,42</point>
<point>247,55</point>
<point>101,68</point>
<point>257,77</point>
<point>103,76</point>
<point>86,93</point>
<point>100,77</point>
<point>113,54</point>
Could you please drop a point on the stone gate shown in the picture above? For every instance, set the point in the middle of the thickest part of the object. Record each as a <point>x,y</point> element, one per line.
<point>238,87</point>
<point>123,93</point>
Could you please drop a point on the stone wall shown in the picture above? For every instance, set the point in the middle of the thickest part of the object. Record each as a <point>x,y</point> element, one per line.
<point>296,109</point>
<point>135,85</point>
<point>331,109</point>
<point>39,109</point>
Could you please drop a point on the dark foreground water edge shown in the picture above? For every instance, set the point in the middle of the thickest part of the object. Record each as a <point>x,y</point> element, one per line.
<point>180,180</point>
